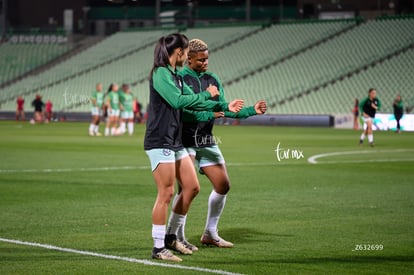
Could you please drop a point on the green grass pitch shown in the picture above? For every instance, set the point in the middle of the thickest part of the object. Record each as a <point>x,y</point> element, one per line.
<point>348,213</point>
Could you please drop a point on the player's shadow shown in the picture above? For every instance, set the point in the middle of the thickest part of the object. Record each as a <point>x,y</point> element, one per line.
<point>247,235</point>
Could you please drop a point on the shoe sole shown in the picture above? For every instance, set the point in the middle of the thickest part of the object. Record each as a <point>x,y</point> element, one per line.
<point>193,248</point>
<point>213,243</point>
<point>188,252</point>
<point>175,259</point>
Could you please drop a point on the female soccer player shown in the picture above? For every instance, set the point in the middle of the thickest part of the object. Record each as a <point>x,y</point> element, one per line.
<point>38,105</point>
<point>355,112</point>
<point>398,111</point>
<point>163,145</point>
<point>127,113</point>
<point>199,141</point>
<point>369,106</point>
<point>20,108</point>
<point>113,105</point>
<point>97,100</point>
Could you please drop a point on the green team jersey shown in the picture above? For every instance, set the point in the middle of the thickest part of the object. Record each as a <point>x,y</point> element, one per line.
<point>168,95</point>
<point>114,100</point>
<point>127,100</point>
<point>198,125</point>
<point>366,106</point>
<point>99,99</point>
<point>398,107</point>
<point>199,82</point>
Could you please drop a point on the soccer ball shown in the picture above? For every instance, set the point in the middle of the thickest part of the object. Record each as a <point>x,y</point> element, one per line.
<point>119,131</point>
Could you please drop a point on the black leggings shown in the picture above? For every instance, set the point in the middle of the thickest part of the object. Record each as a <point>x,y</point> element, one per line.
<point>397,118</point>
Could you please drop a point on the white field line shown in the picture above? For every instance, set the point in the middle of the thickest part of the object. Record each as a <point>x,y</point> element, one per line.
<point>113,168</point>
<point>313,159</point>
<point>119,258</point>
<point>63,170</point>
<point>366,161</point>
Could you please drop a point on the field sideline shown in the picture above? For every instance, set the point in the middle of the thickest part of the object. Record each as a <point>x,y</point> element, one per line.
<point>303,201</point>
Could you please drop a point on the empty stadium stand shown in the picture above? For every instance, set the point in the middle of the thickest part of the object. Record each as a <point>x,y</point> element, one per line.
<point>315,67</point>
<point>17,59</point>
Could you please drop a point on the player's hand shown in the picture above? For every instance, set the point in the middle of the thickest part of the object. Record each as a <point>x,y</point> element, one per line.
<point>218,114</point>
<point>213,91</point>
<point>374,106</point>
<point>260,107</point>
<point>236,105</point>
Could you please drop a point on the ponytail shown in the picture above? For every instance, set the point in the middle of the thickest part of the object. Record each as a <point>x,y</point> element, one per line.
<point>109,89</point>
<point>165,48</point>
<point>161,56</point>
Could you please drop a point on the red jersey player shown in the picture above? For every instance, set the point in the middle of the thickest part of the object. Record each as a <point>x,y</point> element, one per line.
<point>20,108</point>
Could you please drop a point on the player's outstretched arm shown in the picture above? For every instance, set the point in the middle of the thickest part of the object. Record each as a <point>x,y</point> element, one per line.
<point>236,105</point>
<point>200,116</point>
<point>260,107</point>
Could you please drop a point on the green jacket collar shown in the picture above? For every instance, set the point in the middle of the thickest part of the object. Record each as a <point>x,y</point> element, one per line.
<point>188,71</point>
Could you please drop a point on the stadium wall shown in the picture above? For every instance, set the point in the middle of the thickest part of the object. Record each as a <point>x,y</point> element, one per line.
<point>345,121</point>
<point>283,120</point>
<point>270,120</point>
<point>57,116</point>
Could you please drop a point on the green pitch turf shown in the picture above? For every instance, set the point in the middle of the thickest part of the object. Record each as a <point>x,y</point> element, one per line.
<point>351,212</point>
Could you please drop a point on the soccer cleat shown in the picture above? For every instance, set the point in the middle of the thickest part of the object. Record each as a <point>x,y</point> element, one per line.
<point>98,134</point>
<point>371,144</point>
<point>172,243</point>
<point>189,245</point>
<point>91,134</point>
<point>219,242</point>
<point>361,141</point>
<point>165,254</point>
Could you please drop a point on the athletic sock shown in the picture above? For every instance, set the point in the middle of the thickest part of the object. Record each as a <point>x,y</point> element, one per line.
<point>181,229</point>
<point>370,138</point>
<point>158,235</point>
<point>122,128</point>
<point>216,203</point>
<point>113,131</point>
<point>362,136</point>
<point>91,127</point>
<point>96,129</point>
<point>106,131</point>
<point>130,128</point>
<point>175,199</point>
<point>176,221</point>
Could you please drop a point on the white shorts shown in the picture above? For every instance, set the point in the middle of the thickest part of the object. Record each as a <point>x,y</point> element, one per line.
<point>206,156</point>
<point>113,112</point>
<point>96,111</point>
<point>164,155</point>
<point>365,120</point>
<point>127,115</point>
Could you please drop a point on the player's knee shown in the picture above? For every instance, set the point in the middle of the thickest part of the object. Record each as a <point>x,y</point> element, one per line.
<point>190,190</point>
<point>223,188</point>
<point>196,189</point>
<point>168,193</point>
<point>227,187</point>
